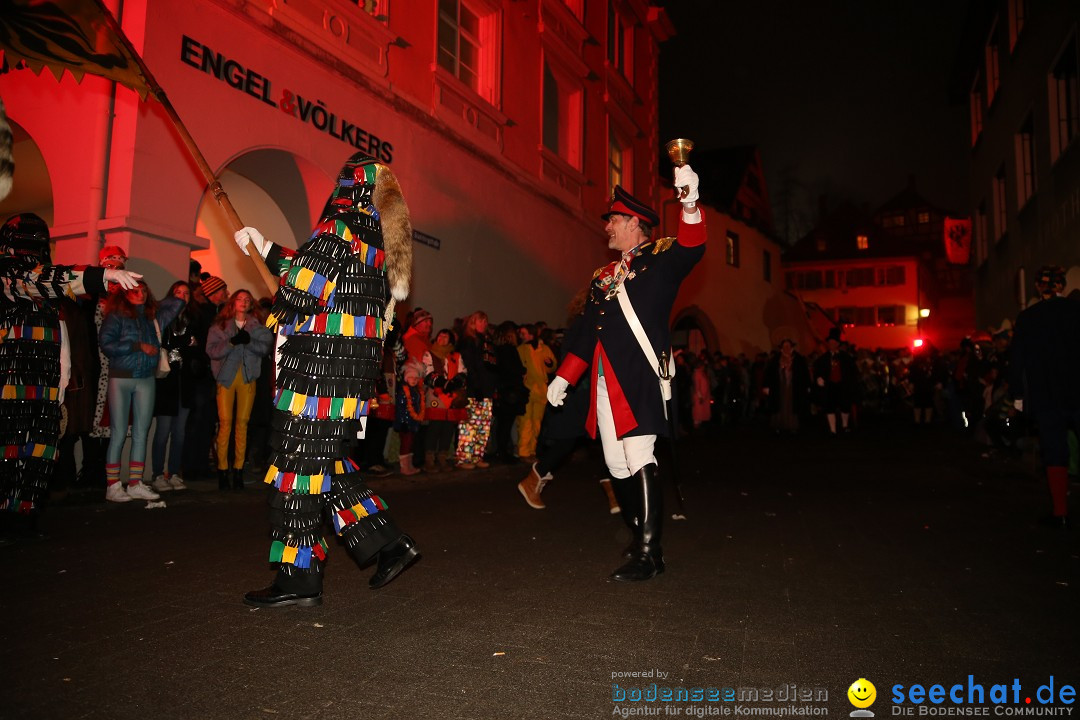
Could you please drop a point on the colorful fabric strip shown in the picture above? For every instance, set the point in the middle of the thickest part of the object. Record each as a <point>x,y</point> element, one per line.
<point>306,484</point>
<point>32,332</point>
<point>29,392</point>
<point>298,556</point>
<point>372,256</point>
<point>310,282</point>
<point>38,450</point>
<point>288,482</point>
<point>337,228</point>
<point>317,408</point>
<point>340,325</point>
<point>367,506</point>
<point>23,507</point>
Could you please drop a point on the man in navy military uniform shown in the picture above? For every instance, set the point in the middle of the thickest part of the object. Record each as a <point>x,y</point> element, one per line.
<point>1044,378</point>
<point>628,406</point>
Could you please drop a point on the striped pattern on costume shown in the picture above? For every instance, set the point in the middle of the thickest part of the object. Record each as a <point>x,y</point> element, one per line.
<point>341,324</point>
<point>38,450</point>
<point>364,508</point>
<point>320,408</point>
<point>29,391</point>
<point>328,311</point>
<point>300,556</point>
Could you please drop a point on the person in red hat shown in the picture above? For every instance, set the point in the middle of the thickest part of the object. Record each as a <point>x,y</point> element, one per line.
<point>622,341</point>
<point>1044,377</point>
<point>111,257</point>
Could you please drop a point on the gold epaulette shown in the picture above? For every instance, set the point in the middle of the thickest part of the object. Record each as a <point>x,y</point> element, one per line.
<point>600,270</point>
<point>662,245</point>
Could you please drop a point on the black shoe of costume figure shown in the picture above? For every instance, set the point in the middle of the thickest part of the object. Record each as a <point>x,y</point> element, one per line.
<point>273,596</point>
<point>394,558</point>
<point>1055,522</point>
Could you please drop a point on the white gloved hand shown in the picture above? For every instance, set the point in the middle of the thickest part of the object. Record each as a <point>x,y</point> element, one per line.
<point>686,177</point>
<point>556,391</point>
<point>765,391</point>
<point>124,278</point>
<point>1018,403</point>
<point>250,234</point>
<point>821,382</point>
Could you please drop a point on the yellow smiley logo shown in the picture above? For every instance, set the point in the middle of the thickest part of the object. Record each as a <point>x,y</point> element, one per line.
<point>862,693</point>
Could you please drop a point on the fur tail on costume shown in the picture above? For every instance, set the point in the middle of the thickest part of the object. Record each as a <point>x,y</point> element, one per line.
<point>7,162</point>
<point>396,230</point>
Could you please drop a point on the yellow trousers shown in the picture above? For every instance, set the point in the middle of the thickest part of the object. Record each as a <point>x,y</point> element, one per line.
<point>529,424</point>
<point>243,395</point>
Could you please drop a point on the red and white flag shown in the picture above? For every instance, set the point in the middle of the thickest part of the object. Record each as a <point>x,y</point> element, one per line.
<point>958,240</point>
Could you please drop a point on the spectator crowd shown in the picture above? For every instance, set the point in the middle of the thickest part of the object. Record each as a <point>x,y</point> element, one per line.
<point>198,366</point>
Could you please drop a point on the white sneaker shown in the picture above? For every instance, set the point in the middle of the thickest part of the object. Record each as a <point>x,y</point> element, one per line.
<point>177,483</point>
<point>161,484</point>
<point>115,493</point>
<point>138,491</point>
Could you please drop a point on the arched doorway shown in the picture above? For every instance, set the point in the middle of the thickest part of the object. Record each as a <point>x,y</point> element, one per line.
<point>31,191</point>
<point>694,331</point>
<point>273,190</point>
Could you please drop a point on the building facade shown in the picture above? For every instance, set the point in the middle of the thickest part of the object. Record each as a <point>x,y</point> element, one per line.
<point>884,276</point>
<point>1019,79</point>
<point>734,302</point>
<point>506,122</point>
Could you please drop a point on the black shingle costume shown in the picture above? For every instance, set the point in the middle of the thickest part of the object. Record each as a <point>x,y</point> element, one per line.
<point>330,312</point>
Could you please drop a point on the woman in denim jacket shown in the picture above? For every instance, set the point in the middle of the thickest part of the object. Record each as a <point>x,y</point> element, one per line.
<point>236,344</point>
<point>130,340</point>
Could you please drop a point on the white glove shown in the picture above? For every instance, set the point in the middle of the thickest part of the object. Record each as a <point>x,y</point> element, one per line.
<point>765,391</point>
<point>556,392</point>
<point>685,177</point>
<point>821,382</point>
<point>1018,403</point>
<point>124,278</point>
<point>250,234</point>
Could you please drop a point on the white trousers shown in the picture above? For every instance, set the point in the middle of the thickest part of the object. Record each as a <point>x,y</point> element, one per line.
<point>623,457</point>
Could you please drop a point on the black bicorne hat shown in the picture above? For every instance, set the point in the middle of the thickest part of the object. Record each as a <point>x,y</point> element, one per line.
<point>623,203</point>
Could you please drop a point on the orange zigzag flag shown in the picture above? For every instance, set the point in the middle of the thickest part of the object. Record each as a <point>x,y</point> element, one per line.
<point>80,36</point>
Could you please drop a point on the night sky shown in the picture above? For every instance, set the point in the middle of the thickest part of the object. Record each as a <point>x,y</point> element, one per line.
<point>845,98</point>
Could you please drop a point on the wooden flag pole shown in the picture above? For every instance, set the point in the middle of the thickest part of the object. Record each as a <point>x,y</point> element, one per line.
<point>211,179</point>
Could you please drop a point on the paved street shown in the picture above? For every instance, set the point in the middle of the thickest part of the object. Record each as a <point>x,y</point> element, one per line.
<point>895,555</point>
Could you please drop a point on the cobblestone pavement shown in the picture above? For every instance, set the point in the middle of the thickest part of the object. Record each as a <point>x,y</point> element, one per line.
<point>900,556</point>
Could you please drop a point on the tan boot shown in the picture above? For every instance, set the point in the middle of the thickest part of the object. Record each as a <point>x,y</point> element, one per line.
<point>442,462</point>
<point>407,466</point>
<point>532,486</point>
<point>613,504</point>
<point>429,462</point>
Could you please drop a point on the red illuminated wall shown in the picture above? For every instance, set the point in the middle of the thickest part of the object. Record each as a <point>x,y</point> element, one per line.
<point>477,176</point>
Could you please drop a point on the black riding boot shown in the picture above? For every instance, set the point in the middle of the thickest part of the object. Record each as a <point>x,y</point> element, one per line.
<point>222,479</point>
<point>646,557</point>
<point>237,479</point>
<point>628,496</point>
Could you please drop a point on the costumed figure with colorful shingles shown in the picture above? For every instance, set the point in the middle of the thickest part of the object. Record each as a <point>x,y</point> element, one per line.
<point>34,363</point>
<point>1044,369</point>
<point>330,312</point>
<point>628,403</point>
